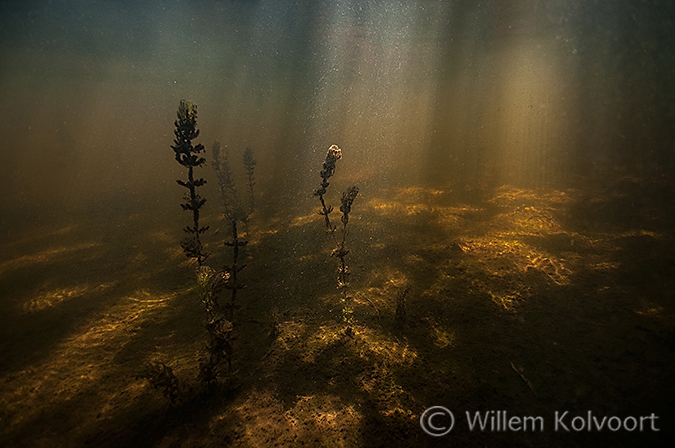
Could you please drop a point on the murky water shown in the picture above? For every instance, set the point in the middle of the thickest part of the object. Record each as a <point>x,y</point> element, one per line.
<point>515,169</point>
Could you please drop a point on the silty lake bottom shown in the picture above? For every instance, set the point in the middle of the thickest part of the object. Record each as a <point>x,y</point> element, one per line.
<point>521,301</point>
<point>510,252</point>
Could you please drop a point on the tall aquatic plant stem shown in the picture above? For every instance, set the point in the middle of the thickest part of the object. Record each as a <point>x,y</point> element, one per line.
<point>210,284</point>
<point>188,155</point>
<point>234,269</point>
<point>327,170</point>
<point>340,252</point>
<point>234,213</point>
<point>249,164</point>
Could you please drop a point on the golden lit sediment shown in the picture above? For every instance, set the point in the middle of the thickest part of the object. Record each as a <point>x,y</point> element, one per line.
<point>58,296</point>
<point>73,373</point>
<point>43,257</point>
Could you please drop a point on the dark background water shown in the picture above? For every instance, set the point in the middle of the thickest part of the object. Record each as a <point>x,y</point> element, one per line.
<point>526,93</point>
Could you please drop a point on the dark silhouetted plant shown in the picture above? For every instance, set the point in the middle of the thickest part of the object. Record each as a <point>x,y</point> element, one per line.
<point>161,377</point>
<point>234,213</point>
<point>340,252</point>
<point>249,165</point>
<point>402,307</point>
<point>327,170</point>
<point>189,156</point>
<point>210,284</point>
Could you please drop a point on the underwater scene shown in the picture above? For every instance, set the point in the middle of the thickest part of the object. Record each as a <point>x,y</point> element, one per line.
<point>344,223</point>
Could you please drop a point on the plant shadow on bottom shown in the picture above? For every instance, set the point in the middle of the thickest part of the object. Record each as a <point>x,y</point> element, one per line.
<point>497,296</point>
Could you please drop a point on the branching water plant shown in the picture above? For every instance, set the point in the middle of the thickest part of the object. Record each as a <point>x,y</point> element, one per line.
<point>249,165</point>
<point>402,308</point>
<point>234,214</point>
<point>327,170</point>
<point>340,252</point>
<point>210,284</point>
<point>161,377</point>
<point>189,156</point>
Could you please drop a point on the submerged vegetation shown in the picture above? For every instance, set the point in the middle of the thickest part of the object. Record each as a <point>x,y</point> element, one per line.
<point>522,299</point>
<point>162,378</point>
<point>189,156</point>
<point>402,307</point>
<point>234,212</point>
<point>340,252</point>
<point>210,282</point>
<point>457,305</point>
<point>509,251</point>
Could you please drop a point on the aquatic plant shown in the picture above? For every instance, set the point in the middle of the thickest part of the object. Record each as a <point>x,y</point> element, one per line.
<point>340,252</point>
<point>274,324</point>
<point>228,193</point>
<point>189,156</point>
<point>328,169</point>
<point>249,165</point>
<point>219,323</point>
<point>210,284</point>
<point>161,377</point>
<point>234,213</point>
<point>402,307</point>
